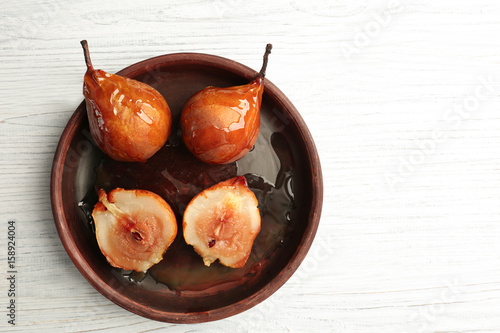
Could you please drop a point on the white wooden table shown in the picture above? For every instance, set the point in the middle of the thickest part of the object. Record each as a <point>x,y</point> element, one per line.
<point>403,100</point>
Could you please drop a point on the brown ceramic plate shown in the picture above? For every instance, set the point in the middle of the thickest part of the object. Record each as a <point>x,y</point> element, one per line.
<point>283,170</point>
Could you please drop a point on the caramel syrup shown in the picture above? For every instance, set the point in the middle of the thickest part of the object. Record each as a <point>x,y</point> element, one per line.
<point>177,176</point>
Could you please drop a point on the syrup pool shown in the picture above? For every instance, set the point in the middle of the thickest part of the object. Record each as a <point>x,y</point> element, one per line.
<point>177,176</point>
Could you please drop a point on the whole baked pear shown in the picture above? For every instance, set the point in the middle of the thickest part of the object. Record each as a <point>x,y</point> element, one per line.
<point>129,120</point>
<point>221,125</point>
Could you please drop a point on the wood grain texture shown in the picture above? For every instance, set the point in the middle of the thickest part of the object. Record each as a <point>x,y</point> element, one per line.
<point>409,235</point>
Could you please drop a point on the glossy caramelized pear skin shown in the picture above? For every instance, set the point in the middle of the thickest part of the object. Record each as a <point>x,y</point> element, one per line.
<point>222,222</point>
<point>221,125</point>
<point>129,120</point>
<point>133,228</point>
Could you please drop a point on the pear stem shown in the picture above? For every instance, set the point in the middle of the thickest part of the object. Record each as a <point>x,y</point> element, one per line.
<point>262,72</point>
<point>86,54</point>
